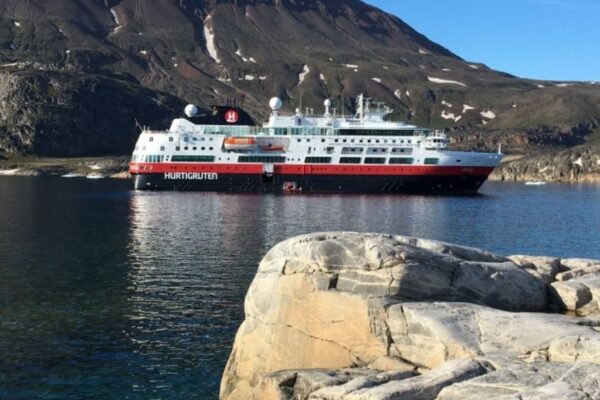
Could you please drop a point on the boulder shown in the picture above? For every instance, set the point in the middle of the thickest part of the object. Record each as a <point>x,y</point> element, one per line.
<point>543,268</point>
<point>371,316</point>
<point>577,267</point>
<point>580,295</point>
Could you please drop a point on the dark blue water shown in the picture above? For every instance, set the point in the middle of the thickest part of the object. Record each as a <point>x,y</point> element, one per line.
<point>111,294</point>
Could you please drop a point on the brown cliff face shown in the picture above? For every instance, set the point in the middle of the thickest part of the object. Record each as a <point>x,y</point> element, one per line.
<point>302,51</point>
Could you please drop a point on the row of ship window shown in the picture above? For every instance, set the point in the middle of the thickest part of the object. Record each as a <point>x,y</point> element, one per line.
<point>393,141</point>
<point>374,150</point>
<point>345,150</point>
<point>281,160</point>
<point>409,141</point>
<point>185,139</point>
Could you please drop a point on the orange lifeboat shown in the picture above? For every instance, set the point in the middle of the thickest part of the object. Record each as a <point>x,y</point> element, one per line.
<point>239,144</point>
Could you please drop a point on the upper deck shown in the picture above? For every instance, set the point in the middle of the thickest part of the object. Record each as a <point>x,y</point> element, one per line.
<point>366,122</point>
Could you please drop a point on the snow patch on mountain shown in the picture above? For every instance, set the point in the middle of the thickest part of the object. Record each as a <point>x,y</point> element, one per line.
<point>467,107</point>
<point>488,114</point>
<point>376,80</point>
<point>448,115</point>
<point>303,74</point>
<point>398,94</point>
<point>445,103</point>
<point>210,41</point>
<point>239,54</point>
<point>115,16</point>
<point>438,80</point>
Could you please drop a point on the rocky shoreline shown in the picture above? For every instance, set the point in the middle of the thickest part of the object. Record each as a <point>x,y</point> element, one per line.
<point>350,316</point>
<point>576,165</point>
<point>105,167</point>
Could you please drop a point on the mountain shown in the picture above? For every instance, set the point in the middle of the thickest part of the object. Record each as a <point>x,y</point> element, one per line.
<point>157,54</point>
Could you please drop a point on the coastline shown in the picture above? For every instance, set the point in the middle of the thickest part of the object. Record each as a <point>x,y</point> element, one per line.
<point>569,166</point>
<point>115,167</point>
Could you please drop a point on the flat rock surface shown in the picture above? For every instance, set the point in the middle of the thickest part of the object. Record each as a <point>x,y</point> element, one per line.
<point>372,316</point>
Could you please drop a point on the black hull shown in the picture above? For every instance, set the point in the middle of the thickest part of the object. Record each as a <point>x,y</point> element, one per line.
<point>368,184</point>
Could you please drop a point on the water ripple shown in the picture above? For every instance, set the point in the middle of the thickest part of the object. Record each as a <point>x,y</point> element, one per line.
<point>107,293</point>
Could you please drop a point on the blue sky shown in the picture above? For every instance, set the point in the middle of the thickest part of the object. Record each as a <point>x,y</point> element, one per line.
<point>540,39</point>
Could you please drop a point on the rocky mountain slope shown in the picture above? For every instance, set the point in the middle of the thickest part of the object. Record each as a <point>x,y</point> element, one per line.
<point>206,51</point>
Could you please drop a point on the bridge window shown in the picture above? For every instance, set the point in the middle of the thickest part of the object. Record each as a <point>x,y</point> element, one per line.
<point>431,161</point>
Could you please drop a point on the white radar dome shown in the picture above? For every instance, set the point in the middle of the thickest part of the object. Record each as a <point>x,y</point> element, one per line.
<point>191,110</point>
<point>327,103</point>
<point>275,103</point>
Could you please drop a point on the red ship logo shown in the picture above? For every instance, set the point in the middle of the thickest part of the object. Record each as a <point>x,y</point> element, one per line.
<point>231,116</point>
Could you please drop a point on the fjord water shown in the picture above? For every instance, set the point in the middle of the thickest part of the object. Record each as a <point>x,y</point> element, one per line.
<point>110,293</point>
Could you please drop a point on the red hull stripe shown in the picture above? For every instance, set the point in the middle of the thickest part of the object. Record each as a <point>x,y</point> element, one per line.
<point>307,169</point>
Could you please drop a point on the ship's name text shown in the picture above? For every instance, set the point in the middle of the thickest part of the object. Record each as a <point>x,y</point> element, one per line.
<point>198,176</point>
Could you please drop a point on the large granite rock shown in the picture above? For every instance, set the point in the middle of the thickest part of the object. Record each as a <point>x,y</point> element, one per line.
<point>368,316</point>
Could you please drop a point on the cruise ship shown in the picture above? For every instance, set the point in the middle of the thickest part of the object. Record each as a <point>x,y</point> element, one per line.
<point>305,153</point>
